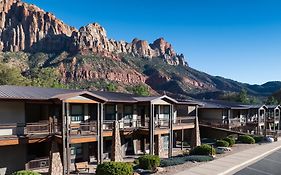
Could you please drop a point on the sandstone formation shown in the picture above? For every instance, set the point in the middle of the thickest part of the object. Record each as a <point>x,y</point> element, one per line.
<point>25,27</point>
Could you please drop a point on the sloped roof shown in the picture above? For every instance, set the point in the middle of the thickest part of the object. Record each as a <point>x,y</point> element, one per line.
<point>116,96</point>
<point>221,104</point>
<point>32,93</point>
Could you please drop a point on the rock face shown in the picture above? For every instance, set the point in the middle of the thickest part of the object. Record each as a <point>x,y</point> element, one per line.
<point>25,27</point>
<point>93,38</point>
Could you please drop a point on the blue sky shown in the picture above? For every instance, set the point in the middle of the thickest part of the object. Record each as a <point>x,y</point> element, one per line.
<point>237,39</point>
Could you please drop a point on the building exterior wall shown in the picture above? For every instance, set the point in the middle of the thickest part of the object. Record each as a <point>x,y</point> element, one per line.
<point>11,113</point>
<point>13,158</point>
<point>210,114</point>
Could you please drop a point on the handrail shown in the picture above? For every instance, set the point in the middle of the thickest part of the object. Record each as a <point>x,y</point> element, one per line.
<point>38,163</point>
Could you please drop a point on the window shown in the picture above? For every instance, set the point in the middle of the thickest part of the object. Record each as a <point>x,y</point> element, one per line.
<point>77,113</point>
<point>128,111</point>
<point>76,150</point>
<point>110,112</point>
<point>166,111</point>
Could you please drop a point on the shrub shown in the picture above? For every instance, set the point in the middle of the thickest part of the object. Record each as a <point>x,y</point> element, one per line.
<point>231,141</point>
<point>181,160</point>
<point>114,168</point>
<point>203,150</point>
<point>24,172</point>
<point>246,139</point>
<point>222,143</point>
<point>149,162</point>
<point>258,139</point>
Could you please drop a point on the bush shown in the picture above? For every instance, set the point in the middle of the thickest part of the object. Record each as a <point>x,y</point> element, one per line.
<point>181,160</point>
<point>149,162</point>
<point>24,172</point>
<point>231,141</point>
<point>246,139</point>
<point>222,143</point>
<point>203,150</point>
<point>114,168</point>
<point>258,139</point>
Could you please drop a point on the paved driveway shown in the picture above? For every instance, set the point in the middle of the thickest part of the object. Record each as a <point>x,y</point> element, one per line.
<point>270,165</point>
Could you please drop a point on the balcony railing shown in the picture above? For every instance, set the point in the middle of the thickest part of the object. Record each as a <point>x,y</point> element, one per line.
<point>83,128</point>
<point>108,125</point>
<point>21,129</point>
<point>39,163</point>
<point>215,123</point>
<point>162,123</point>
<point>184,120</point>
<point>37,128</point>
<point>12,129</point>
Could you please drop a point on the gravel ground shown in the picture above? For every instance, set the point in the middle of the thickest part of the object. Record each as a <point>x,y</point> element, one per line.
<point>173,169</point>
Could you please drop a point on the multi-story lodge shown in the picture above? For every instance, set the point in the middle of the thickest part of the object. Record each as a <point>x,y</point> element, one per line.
<point>46,128</point>
<point>253,119</point>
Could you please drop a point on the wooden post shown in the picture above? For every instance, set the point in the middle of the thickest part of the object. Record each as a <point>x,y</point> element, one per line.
<point>63,125</point>
<point>151,130</point>
<point>68,138</point>
<point>171,140</point>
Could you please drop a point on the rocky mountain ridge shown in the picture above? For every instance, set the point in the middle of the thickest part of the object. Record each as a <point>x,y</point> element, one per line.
<point>31,38</point>
<point>25,27</point>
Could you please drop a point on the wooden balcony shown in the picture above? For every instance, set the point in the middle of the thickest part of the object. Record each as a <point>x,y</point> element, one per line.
<point>39,163</point>
<point>15,130</point>
<point>37,128</point>
<point>83,128</point>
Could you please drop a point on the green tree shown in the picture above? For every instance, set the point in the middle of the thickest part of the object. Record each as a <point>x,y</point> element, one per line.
<point>141,90</point>
<point>111,87</point>
<point>243,97</point>
<point>12,76</point>
<point>271,101</point>
<point>46,77</point>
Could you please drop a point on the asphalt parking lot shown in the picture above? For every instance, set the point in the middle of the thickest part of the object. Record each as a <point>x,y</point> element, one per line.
<point>270,165</point>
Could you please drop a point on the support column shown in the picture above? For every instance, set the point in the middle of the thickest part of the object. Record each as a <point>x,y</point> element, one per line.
<point>182,138</point>
<point>100,132</point>
<point>228,116</point>
<point>117,150</point>
<point>56,166</point>
<point>195,138</point>
<point>68,138</point>
<point>171,140</point>
<point>151,130</point>
<point>159,146</point>
<point>63,125</point>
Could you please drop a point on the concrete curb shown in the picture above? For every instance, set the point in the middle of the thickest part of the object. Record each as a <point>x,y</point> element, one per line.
<point>250,161</point>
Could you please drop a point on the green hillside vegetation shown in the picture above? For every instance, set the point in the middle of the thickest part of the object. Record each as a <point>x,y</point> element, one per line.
<point>41,69</point>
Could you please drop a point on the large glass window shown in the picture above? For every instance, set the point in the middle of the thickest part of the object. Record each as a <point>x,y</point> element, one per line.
<point>76,150</point>
<point>110,112</point>
<point>128,111</point>
<point>166,111</point>
<point>77,113</point>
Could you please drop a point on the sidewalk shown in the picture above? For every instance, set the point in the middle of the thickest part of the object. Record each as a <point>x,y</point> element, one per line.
<point>233,163</point>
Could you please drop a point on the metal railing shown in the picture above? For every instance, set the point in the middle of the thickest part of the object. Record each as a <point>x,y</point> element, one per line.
<point>108,125</point>
<point>184,120</point>
<point>12,129</point>
<point>162,123</point>
<point>21,129</point>
<point>39,163</point>
<point>215,123</point>
<point>83,128</point>
<point>37,128</point>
